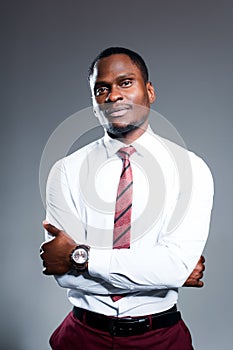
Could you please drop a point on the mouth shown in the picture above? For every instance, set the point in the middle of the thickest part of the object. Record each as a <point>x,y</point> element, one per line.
<point>116,112</point>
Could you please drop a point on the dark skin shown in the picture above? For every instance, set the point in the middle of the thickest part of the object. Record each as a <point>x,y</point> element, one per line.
<point>118,88</point>
<point>56,257</point>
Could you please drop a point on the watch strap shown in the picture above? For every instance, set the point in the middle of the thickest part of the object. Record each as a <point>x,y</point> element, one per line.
<point>82,266</point>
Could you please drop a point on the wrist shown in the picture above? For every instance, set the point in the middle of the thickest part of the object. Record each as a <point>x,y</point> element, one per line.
<point>79,258</point>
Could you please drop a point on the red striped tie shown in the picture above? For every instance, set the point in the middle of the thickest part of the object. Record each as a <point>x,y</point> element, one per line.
<point>123,209</point>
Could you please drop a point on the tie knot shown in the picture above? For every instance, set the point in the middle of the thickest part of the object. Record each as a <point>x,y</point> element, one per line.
<point>126,152</point>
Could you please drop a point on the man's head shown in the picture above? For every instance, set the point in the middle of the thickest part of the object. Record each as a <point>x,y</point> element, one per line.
<point>121,92</point>
<point>134,56</point>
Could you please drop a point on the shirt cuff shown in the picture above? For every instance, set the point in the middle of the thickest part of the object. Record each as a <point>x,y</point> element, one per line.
<point>99,263</point>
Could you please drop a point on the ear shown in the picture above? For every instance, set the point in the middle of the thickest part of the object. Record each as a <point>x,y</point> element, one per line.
<point>151,92</point>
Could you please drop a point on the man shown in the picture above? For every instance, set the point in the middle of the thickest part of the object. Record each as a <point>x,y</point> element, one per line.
<point>123,192</point>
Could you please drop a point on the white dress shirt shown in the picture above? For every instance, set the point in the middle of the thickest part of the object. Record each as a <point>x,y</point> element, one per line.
<point>172,202</point>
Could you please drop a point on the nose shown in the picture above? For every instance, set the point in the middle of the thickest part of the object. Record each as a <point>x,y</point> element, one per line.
<point>114,95</point>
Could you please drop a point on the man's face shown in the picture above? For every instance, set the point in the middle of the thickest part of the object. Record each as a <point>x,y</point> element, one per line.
<point>121,98</point>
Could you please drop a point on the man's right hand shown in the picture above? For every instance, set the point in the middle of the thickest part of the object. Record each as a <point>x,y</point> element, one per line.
<point>56,252</point>
<point>194,280</point>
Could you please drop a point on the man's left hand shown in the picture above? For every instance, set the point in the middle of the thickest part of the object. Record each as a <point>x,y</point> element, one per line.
<point>194,280</point>
<point>56,252</point>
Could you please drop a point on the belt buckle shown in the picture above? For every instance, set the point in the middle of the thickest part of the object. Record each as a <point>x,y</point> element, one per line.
<point>129,326</point>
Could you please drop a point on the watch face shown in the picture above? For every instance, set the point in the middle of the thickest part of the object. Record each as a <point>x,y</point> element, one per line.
<point>80,256</point>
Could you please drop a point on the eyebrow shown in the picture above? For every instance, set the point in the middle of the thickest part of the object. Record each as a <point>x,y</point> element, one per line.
<point>119,77</point>
<point>122,76</point>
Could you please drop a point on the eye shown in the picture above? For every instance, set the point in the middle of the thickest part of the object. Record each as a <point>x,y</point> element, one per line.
<point>126,83</point>
<point>101,90</point>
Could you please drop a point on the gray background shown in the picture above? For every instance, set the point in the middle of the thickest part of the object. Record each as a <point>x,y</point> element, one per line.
<point>46,48</point>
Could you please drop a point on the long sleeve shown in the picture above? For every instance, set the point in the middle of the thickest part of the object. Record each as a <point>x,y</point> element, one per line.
<point>64,214</point>
<point>161,258</point>
<point>168,262</point>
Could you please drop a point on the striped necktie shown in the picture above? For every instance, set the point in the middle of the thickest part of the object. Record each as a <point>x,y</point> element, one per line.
<point>123,209</point>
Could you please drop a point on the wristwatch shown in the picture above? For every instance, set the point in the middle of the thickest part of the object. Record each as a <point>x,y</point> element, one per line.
<point>79,257</point>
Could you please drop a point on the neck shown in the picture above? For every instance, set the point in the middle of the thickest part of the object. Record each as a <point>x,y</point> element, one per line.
<point>130,136</point>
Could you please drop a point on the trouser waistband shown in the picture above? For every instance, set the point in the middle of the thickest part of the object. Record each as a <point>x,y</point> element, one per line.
<point>126,326</point>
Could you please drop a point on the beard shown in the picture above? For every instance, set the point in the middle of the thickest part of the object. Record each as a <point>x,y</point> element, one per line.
<point>116,131</point>
<point>119,130</point>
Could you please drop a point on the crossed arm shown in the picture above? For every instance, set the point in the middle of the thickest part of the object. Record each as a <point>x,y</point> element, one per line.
<point>168,264</point>
<point>56,257</point>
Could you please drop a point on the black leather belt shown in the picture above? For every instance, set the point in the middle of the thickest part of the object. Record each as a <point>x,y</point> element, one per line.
<point>126,326</point>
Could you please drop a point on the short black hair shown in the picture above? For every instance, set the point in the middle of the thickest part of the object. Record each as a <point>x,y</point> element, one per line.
<point>135,57</point>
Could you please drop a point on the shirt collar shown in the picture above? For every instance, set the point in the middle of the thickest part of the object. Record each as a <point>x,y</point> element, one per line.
<point>113,145</point>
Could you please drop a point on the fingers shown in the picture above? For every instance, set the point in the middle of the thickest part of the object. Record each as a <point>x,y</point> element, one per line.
<point>55,252</point>
<point>196,274</point>
<point>200,268</point>
<point>200,265</point>
<point>202,258</point>
<point>193,283</point>
<point>200,276</point>
<point>43,248</point>
<point>54,231</point>
<point>200,284</point>
<point>46,265</point>
<point>46,270</point>
<point>194,279</point>
<point>42,255</point>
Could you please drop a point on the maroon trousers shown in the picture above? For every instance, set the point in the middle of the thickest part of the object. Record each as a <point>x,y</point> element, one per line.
<point>74,335</point>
